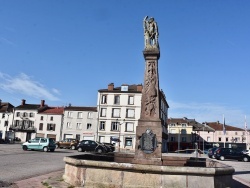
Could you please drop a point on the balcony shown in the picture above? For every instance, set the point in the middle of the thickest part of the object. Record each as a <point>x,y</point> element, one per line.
<point>22,128</point>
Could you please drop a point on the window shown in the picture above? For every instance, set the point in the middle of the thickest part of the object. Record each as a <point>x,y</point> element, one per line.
<point>172,139</point>
<point>40,126</point>
<point>183,131</point>
<point>128,141</point>
<point>129,127</point>
<point>104,99</point>
<point>70,114</point>
<point>172,125</point>
<point>69,126</point>
<point>78,126</point>
<point>117,99</point>
<point>102,125</point>
<point>116,112</point>
<point>208,139</point>
<point>43,140</point>
<point>41,118</point>
<point>79,115</point>
<point>219,139</point>
<point>183,124</point>
<point>31,114</point>
<point>130,100</point>
<point>51,118</point>
<point>173,131</point>
<point>78,137</point>
<point>18,114</point>
<point>25,114</point>
<point>114,126</point>
<point>17,123</point>
<point>103,112</point>
<point>90,115</point>
<point>183,139</point>
<point>3,115</point>
<point>89,125</point>
<point>51,127</point>
<point>236,133</point>
<point>226,139</point>
<point>130,113</point>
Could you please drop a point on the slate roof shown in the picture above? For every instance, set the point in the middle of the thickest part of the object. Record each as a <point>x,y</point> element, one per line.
<point>5,106</point>
<point>81,108</point>
<point>196,125</point>
<point>131,89</point>
<point>29,107</point>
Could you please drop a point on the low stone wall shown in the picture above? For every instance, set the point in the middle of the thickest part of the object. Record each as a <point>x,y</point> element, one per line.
<point>107,173</point>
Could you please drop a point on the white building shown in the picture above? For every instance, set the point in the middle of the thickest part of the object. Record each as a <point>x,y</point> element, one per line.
<point>118,113</point>
<point>24,117</point>
<point>49,123</point>
<point>80,123</point>
<point>6,116</point>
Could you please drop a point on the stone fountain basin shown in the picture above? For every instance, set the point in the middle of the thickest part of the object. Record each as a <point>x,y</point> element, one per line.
<point>116,170</point>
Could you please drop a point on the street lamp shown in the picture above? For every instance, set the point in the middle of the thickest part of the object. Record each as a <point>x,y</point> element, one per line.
<point>204,136</point>
<point>119,135</point>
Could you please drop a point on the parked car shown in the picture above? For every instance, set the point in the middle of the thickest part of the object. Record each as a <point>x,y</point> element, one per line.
<point>110,146</point>
<point>230,153</point>
<point>91,146</point>
<point>69,143</point>
<point>44,144</point>
<point>246,152</point>
<point>211,152</point>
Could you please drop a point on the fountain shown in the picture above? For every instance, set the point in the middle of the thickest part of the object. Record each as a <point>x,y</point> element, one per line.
<point>148,166</point>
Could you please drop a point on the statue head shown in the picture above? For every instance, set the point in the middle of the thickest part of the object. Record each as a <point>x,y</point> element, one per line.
<point>151,20</point>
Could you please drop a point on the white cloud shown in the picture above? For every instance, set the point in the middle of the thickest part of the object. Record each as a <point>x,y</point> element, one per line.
<point>208,112</point>
<point>25,85</point>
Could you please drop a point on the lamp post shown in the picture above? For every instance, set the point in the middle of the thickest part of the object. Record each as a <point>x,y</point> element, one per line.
<point>204,136</point>
<point>119,134</point>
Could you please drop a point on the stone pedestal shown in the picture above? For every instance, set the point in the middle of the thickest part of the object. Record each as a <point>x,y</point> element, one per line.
<point>148,148</point>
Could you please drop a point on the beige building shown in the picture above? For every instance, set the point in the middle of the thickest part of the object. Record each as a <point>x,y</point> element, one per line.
<point>80,123</point>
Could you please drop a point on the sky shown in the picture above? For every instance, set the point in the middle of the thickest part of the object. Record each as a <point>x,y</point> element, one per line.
<point>64,51</point>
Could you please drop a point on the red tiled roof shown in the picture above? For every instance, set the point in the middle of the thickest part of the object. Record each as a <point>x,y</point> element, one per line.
<point>53,110</point>
<point>219,127</point>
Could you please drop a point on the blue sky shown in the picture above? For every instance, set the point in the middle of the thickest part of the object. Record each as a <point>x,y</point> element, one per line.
<point>65,51</point>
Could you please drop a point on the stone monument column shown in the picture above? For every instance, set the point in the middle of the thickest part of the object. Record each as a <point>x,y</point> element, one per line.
<point>149,130</point>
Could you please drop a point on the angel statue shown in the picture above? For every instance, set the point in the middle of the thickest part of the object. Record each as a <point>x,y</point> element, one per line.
<point>150,33</point>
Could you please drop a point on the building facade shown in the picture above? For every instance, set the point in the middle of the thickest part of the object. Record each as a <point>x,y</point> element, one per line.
<point>233,137</point>
<point>24,117</point>
<point>6,116</point>
<point>119,110</point>
<point>49,123</point>
<point>80,123</point>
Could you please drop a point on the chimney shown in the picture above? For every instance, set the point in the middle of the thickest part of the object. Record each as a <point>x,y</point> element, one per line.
<point>0,102</point>
<point>139,87</point>
<point>23,102</point>
<point>111,87</point>
<point>42,103</point>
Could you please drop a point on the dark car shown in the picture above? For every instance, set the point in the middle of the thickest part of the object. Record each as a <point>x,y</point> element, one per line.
<point>211,152</point>
<point>230,153</point>
<point>91,146</point>
<point>110,146</point>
